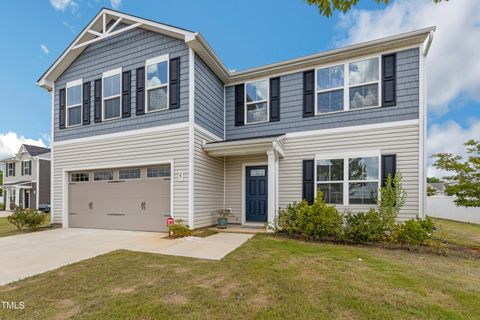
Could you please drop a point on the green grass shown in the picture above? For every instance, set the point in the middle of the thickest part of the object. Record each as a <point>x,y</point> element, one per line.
<point>8,229</point>
<point>267,278</point>
<point>459,233</point>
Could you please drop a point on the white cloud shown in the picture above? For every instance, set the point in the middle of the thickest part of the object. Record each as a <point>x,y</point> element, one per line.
<point>115,3</point>
<point>453,64</point>
<point>61,5</point>
<point>69,27</point>
<point>10,143</point>
<point>449,137</point>
<point>44,48</point>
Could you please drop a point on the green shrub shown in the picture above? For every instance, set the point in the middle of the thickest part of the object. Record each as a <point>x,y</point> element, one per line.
<point>392,199</point>
<point>26,218</point>
<point>313,222</point>
<point>288,220</point>
<point>364,227</point>
<point>178,230</point>
<point>427,224</point>
<point>413,232</point>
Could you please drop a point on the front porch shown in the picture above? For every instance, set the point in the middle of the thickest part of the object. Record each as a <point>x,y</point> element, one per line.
<point>20,194</point>
<point>251,178</point>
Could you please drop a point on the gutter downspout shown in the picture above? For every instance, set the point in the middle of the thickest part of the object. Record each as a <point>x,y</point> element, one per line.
<point>429,43</point>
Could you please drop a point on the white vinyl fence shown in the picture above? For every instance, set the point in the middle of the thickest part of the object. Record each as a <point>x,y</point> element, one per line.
<point>444,207</point>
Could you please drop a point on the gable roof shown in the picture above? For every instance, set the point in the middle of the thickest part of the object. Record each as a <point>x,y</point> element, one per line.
<point>103,26</point>
<point>35,150</point>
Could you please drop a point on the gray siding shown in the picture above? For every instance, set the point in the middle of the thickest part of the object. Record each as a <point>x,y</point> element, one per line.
<point>209,108</point>
<point>208,184</point>
<point>44,182</point>
<point>128,50</point>
<point>291,105</point>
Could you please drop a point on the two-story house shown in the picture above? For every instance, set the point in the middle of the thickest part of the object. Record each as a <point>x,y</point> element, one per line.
<point>149,123</point>
<point>26,180</point>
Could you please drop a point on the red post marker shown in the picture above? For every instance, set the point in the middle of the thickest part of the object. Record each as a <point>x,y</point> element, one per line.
<point>170,221</point>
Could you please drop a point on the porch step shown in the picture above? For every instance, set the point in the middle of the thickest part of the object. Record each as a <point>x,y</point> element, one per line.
<point>249,228</point>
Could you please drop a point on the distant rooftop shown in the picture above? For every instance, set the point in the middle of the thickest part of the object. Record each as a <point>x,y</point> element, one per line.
<point>35,150</point>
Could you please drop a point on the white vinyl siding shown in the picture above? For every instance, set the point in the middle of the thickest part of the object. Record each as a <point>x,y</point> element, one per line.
<point>125,151</point>
<point>402,141</point>
<point>209,183</point>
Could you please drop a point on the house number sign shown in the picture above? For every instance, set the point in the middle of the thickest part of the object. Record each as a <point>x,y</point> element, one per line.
<point>180,175</point>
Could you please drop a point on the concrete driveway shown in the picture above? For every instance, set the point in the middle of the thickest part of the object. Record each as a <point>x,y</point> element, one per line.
<point>34,253</point>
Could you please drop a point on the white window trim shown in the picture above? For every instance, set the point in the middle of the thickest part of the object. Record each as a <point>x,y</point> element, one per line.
<point>25,167</point>
<point>346,83</point>
<point>107,74</point>
<point>149,62</point>
<point>346,182</point>
<point>126,169</point>
<point>78,82</point>
<point>246,104</point>
<point>160,177</point>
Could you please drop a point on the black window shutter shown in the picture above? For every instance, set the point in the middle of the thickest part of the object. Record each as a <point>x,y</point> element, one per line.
<point>174,83</point>
<point>239,105</point>
<point>308,93</point>
<point>389,167</point>
<point>30,167</point>
<point>275,99</point>
<point>98,100</point>
<point>62,112</point>
<point>14,165</point>
<point>308,180</point>
<point>389,80</point>
<point>140,91</point>
<point>126,95</point>
<point>23,168</point>
<point>86,102</point>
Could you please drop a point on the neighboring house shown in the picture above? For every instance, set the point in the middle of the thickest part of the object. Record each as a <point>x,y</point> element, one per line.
<point>26,179</point>
<point>440,187</point>
<point>148,123</point>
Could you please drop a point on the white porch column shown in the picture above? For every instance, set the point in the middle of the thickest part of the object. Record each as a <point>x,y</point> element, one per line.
<point>17,196</point>
<point>7,198</point>
<point>272,186</point>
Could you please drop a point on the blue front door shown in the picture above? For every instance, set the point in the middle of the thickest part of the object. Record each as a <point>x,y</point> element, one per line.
<point>256,199</point>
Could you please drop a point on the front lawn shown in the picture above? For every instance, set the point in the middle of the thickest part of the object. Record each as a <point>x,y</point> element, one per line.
<point>459,233</point>
<point>267,278</point>
<point>8,229</point>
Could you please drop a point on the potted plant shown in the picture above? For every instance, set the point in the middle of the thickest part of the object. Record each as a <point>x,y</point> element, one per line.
<point>223,215</point>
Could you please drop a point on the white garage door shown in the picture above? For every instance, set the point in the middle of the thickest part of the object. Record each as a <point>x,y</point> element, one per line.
<point>124,199</point>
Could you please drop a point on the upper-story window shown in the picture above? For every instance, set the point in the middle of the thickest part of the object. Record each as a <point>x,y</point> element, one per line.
<point>27,169</point>
<point>74,103</point>
<point>111,94</point>
<point>157,83</point>
<point>330,89</point>
<point>348,86</point>
<point>363,81</point>
<point>11,169</point>
<point>256,101</point>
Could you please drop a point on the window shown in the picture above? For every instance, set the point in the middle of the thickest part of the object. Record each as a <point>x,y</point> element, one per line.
<point>330,89</point>
<point>330,180</point>
<point>363,180</point>
<point>26,168</point>
<point>103,175</point>
<point>257,173</point>
<point>126,174</point>
<point>11,169</point>
<point>12,195</point>
<point>349,179</point>
<point>79,177</point>
<point>157,83</point>
<point>363,81</point>
<point>157,172</point>
<point>74,103</point>
<point>111,94</point>
<point>348,86</point>
<point>256,101</point>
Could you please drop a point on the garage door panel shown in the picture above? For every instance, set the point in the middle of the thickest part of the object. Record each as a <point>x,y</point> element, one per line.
<point>139,204</point>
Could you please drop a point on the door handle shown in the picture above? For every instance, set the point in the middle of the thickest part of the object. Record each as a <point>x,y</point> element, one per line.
<point>90,205</point>
<point>143,206</point>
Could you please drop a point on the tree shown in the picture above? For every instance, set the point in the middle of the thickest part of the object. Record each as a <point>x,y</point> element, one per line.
<point>326,7</point>
<point>433,180</point>
<point>431,190</point>
<point>464,183</point>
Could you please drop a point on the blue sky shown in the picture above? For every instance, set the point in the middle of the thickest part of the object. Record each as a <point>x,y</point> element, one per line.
<point>244,34</point>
